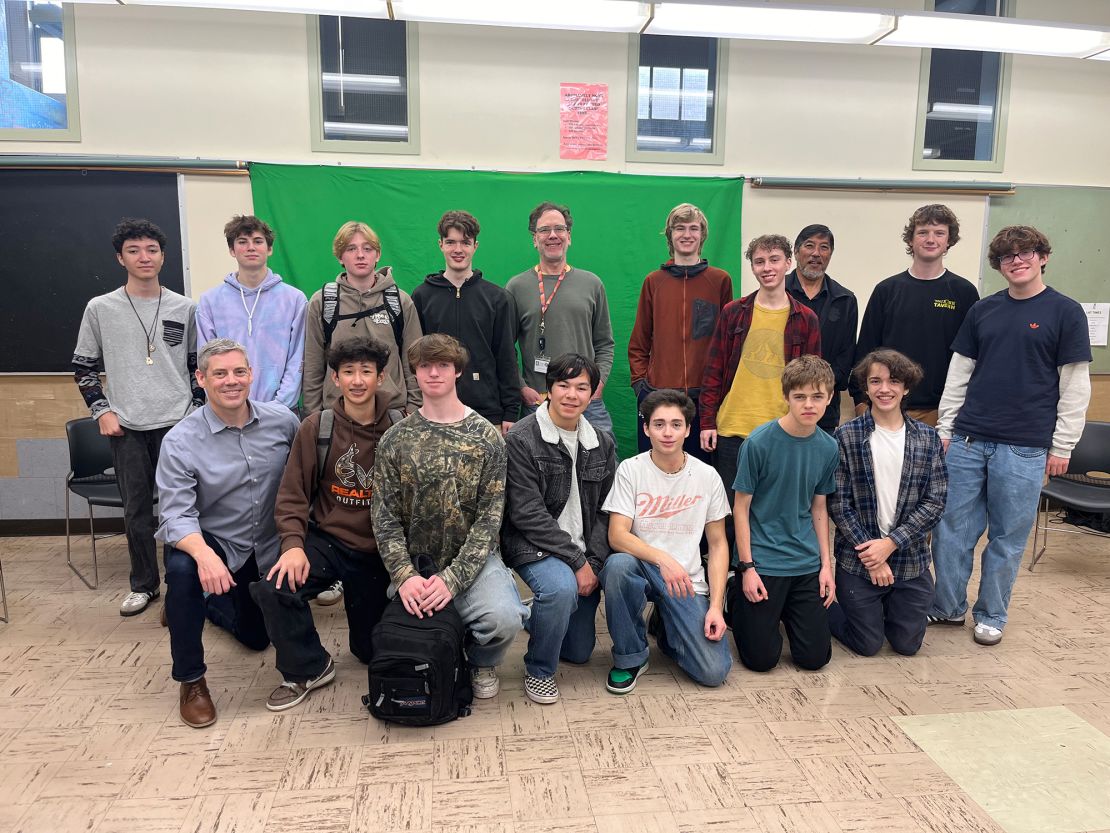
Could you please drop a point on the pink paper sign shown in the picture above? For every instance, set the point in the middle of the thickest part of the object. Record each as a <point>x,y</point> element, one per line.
<point>583,121</point>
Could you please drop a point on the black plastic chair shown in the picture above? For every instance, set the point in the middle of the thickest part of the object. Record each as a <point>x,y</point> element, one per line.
<point>92,477</point>
<point>1085,487</point>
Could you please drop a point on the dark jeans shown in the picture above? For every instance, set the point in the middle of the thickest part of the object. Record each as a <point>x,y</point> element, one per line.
<point>724,461</point>
<point>135,457</point>
<point>692,445</point>
<point>300,656</point>
<point>187,608</point>
<point>796,602</point>
<point>864,613</point>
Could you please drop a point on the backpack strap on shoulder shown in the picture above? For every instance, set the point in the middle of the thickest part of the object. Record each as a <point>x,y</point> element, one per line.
<point>329,309</point>
<point>323,442</point>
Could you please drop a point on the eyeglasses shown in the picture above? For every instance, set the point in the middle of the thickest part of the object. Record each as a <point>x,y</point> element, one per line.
<point>1006,260</point>
<point>543,230</point>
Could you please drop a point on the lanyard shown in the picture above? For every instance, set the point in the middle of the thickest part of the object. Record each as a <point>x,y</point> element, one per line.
<point>545,302</point>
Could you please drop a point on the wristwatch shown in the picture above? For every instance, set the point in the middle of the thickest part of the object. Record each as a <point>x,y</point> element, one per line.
<point>744,566</point>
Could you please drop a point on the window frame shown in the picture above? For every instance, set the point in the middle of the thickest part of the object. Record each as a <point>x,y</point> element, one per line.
<point>997,162</point>
<point>72,131</point>
<point>720,96</point>
<point>410,146</point>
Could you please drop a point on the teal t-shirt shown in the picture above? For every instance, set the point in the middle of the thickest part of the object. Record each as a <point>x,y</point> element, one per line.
<point>782,474</point>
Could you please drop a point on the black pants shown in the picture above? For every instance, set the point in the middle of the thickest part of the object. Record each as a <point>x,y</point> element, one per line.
<point>864,613</point>
<point>187,607</point>
<point>135,457</point>
<point>300,655</point>
<point>796,602</point>
<point>724,461</point>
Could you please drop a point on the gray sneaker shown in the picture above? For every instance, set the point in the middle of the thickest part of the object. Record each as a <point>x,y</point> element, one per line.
<point>987,634</point>
<point>330,596</point>
<point>289,694</point>
<point>134,603</point>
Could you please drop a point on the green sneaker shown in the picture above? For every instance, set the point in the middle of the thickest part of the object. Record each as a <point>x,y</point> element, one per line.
<point>623,680</point>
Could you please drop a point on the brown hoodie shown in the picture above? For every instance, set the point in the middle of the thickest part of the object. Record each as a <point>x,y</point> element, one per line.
<point>341,507</point>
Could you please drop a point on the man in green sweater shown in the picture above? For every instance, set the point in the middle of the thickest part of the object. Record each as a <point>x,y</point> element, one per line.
<point>439,490</point>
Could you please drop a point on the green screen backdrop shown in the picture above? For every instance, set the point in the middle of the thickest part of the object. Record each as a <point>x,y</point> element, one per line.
<point>618,222</point>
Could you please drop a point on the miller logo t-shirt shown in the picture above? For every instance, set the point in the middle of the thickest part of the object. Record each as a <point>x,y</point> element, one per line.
<point>670,511</point>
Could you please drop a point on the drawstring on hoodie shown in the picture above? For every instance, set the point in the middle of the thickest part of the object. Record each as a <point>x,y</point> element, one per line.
<point>250,312</point>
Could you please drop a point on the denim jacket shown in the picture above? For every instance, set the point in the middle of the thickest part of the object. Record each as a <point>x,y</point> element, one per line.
<point>538,488</point>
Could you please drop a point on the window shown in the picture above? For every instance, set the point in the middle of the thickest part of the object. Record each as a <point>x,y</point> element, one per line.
<point>675,99</point>
<point>962,103</point>
<point>363,93</point>
<point>38,76</point>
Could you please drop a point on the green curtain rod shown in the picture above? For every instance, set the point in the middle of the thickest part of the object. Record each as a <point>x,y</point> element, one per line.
<point>907,185</point>
<point>146,163</point>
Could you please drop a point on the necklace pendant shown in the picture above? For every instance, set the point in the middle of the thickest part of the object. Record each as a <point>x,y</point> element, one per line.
<point>149,360</point>
<point>150,348</point>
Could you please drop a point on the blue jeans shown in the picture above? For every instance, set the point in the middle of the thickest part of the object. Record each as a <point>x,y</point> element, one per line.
<point>629,584</point>
<point>492,612</point>
<point>562,622</point>
<point>992,487</point>
<point>187,607</point>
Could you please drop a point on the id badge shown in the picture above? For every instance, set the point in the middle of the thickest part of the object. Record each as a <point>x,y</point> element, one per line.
<point>541,363</point>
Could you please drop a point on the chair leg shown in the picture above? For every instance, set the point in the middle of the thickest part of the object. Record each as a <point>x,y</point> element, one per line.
<point>4,596</point>
<point>1040,527</point>
<point>69,554</point>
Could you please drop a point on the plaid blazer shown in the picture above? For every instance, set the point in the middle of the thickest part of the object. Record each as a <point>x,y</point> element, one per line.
<point>921,497</point>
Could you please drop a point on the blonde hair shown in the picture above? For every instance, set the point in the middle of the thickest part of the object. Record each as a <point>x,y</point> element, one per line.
<point>348,230</point>
<point>685,213</point>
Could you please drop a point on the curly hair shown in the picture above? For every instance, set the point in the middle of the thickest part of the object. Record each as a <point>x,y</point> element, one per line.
<point>1017,239</point>
<point>135,228</point>
<point>937,214</point>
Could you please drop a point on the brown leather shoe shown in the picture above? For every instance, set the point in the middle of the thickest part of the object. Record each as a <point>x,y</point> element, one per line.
<point>197,708</point>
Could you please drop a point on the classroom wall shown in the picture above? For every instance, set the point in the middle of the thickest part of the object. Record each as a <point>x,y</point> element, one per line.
<point>234,85</point>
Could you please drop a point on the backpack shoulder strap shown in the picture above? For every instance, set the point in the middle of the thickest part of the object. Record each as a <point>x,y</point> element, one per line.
<point>396,317</point>
<point>323,443</point>
<point>329,309</point>
<point>395,415</point>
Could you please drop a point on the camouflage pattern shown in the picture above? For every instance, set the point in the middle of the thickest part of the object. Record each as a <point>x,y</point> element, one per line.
<point>439,490</point>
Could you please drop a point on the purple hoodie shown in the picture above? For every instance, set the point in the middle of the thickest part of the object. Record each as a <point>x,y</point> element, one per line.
<point>269,322</point>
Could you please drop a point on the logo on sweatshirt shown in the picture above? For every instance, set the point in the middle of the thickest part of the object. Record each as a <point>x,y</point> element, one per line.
<point>355,482</point>
<point>1033,325</point>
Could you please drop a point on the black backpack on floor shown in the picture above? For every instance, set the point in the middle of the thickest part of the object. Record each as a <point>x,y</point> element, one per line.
<point>419,675</point>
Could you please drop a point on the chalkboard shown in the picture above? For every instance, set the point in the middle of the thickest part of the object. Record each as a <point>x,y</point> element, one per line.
<point>1074,220</point>
<point>56,253</point>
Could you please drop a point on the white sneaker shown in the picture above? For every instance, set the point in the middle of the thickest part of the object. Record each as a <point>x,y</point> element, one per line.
<point>134,603</point>
<point>987,635</point>
<point>485,683</point>
<point>332,595</point>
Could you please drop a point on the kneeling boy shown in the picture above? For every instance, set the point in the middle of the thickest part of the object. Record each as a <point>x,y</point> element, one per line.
<point>786,469</point>
<point>891,487</point>
<point>323,518</point>
<point>661,503</point>
<point>439,490</point>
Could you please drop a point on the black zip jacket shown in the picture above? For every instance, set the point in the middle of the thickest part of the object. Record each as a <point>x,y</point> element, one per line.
<point>481,316</point>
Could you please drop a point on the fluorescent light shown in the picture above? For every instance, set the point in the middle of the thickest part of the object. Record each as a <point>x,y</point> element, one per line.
<point>658,141</point>
<point>762,22</point>
<point>335,129</point>
<point>946,111</point>
<point>995,34</point>
<point>334,82</point>
<point>589,15</point>
<point>1101,56</point>
<point>346,8</point>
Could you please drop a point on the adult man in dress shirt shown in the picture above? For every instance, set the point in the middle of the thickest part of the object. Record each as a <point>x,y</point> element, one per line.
<point>218,476</point>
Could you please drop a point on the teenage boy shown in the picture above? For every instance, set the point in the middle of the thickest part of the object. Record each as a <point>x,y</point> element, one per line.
<point>323,518</point>
<point>560,309</point>
<point>834,305</point>
<point>458,301</point>
<point>144,335</point>
<point>787,468</point>
<point>890,490</point>
<point>254,307</point>
<point>1013,410</point>
<point>439,490</point>
<point>661,504</point>
<point>362,301</point>
<point>679,305</point>
<point>555,533</point>
<point>918,312</point>
<point>755,338</point>
<point>218,477</point>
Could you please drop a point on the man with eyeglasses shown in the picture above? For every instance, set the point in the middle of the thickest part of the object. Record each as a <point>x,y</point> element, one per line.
<point>918,312</point>
<point>834,305</point>
<point>560,309</point>
<point>1012,411</point>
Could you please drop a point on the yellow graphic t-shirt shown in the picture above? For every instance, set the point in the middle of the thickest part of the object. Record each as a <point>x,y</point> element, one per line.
<point>756,393</point>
